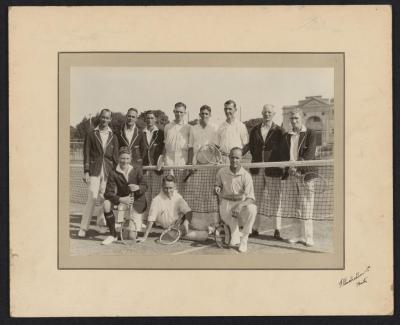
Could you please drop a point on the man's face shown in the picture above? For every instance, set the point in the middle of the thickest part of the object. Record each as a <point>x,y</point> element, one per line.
<point>131,117</point>
<point>204,115</point>
<point>179,113</point>
<point>296,121</point>
<point>105,118</point>
<point>124,159</point>
<point>168,188</point>
<point>235,158</point>
<point>150,120</point>
<point>268,114</point>
<point>230,111</point>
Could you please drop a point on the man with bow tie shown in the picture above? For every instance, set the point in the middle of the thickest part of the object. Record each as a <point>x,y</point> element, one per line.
<point>264,145</point>
<point>300,144</point>
<point>130,136</point>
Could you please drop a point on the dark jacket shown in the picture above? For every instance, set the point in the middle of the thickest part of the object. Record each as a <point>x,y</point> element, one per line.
<point>153,150</point>
<point>307,148</point>
<point>94,157</point>
<point>266,151</point>
<point>136,145</point>
<point>117,186</point>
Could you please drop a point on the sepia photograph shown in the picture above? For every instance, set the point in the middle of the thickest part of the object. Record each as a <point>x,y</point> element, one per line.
<point>205,154</point>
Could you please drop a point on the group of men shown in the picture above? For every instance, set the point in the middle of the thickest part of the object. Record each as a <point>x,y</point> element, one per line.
<point>113,169</point>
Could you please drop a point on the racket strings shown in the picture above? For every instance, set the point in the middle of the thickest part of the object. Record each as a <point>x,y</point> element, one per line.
<point>208,154</point>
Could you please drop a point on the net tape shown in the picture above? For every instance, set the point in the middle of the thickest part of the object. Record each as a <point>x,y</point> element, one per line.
<point>274,197</point>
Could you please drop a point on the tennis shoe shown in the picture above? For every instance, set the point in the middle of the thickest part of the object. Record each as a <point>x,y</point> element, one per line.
<point>109,240</point>
<point>243,245</point>
<point>277,234</point>
<point>82,233</point>
<point>309,242</point>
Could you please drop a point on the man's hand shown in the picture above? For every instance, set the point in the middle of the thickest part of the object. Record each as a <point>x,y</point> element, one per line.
<point>86,177</point>
<point>217,190</point>
<point>236,210</point>
<point>133,187</point>
<point>292,171</point>
<point>128,200</point>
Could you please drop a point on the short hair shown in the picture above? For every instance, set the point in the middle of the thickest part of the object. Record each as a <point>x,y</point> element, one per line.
<point>270,106</point>
<point>168,178</point>
<point>150,112</point>
<point>235,148</point>
<point>230,102</point>
<point>105,110</point>
<point>180,104</point>
<point>123,150</point>
<point>133,110</point>
<point>205,107</point>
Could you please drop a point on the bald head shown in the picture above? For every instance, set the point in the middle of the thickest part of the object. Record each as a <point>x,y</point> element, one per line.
<point>268,113</point>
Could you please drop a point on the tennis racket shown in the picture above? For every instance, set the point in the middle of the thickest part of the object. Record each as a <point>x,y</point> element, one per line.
<point>312,182</point>
<point>207,154</point>
<point>222,234</point>
<point>172,234</point>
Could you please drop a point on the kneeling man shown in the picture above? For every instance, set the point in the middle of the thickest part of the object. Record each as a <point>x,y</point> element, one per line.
<point>167,207</point>
<point>125,189</point>
<point>235,187</point>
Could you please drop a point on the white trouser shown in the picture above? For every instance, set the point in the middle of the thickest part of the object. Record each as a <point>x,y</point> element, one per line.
<point>305,212</point>
<point>124,213</point>
<point>246,218</point>
<point>96,189</point>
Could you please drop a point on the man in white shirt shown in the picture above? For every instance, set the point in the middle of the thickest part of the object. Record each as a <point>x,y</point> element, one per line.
<point>234,185</point>
<point>300,144</point>
<point>167,207</point>
<point>231,133</point>
<point>201,134</point>
<point>176,138</point>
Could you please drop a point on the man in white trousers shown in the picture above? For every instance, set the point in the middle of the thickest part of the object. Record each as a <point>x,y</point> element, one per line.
<point>234,185</point>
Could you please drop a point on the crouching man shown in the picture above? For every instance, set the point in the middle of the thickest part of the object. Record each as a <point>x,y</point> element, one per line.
<point>167,207</point>
<point>125,189</point>
<point>235,187</point>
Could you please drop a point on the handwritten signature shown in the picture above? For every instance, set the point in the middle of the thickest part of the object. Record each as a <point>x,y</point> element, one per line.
<point>359,278</point>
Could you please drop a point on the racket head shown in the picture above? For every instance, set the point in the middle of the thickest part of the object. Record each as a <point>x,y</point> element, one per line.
<point>160,162</point>
<point>222,235</point>
<point>314,182</point>
<point>170,236</point>
<point>208,154</point>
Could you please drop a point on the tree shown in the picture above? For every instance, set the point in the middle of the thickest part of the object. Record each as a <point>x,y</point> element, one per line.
<point>252,123</point>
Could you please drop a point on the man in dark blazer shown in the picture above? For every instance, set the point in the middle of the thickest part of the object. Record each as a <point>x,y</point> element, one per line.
<point>130,136</point>
<point>264,145</point>
<point>153,141</point>
<point>123,181</point>
<point>300,144</point>
<point>100,154</point>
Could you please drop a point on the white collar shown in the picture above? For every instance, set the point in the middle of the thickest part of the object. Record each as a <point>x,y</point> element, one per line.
<point>118,169</point>
<point>181,123</point>
<point>107,130</point>
<point>302,129</point>
<point>268,125</point>
<point>240,171</point>
<point>155,128</point>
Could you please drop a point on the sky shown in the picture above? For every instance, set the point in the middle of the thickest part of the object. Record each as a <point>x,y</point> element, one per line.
<point>119,88</point>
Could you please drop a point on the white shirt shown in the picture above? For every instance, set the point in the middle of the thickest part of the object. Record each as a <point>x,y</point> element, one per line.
<point>176,143</point>
<point>231,135</point>
<point>237,186</point>
<point>294,143</point>
<point>129,133</point>
<point>265,127</point>
<point>165,210</point>
<point>128,170</point>
<point>149,134</point>
<point>104,135</point>
<point>200,136</point>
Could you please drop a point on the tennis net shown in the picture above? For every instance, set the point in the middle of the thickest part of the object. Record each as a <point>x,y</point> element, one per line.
<point>291,197</point>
